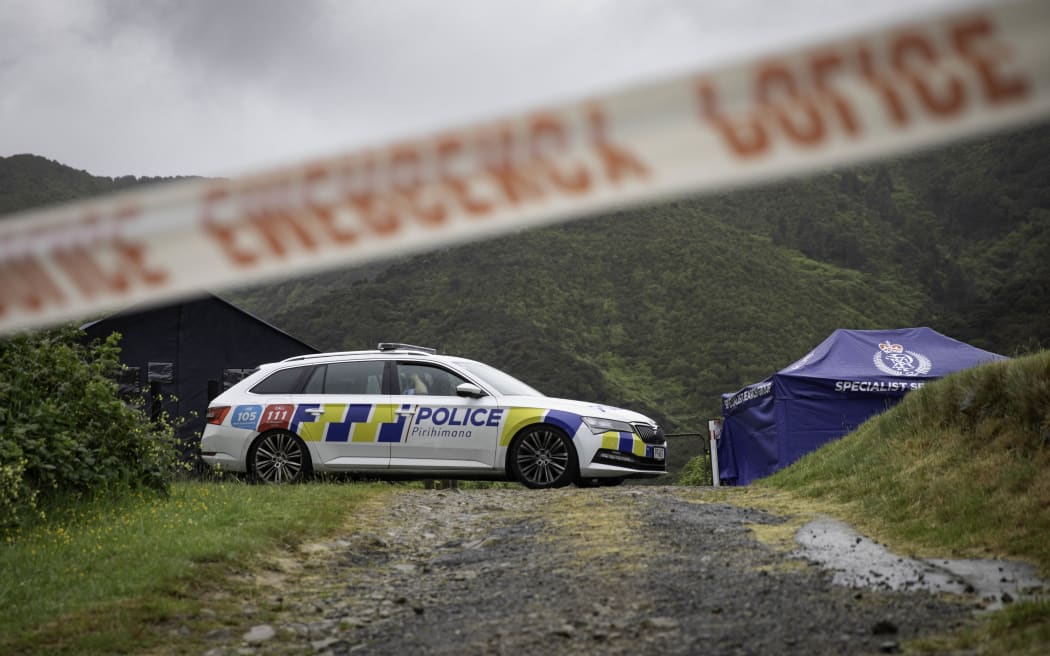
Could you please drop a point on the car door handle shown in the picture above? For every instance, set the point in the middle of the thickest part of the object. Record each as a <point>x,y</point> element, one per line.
<point>314,411</point>
<point>406,413</point>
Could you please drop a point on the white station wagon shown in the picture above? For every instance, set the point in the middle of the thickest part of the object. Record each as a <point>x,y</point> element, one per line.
<point>402,410</point>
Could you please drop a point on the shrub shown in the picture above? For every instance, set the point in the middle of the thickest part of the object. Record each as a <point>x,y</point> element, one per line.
<point>65,431</point>
<point>697,471</point>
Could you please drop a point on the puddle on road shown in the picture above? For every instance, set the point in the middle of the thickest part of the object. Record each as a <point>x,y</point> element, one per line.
<point>860,562</point>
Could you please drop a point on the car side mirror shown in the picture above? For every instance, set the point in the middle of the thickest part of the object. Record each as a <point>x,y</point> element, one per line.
<point>469,389</point>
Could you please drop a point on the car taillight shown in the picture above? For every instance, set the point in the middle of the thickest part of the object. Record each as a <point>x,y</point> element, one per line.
<point>217,413</point>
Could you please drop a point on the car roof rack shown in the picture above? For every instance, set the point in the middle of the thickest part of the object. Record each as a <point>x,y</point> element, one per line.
<point>383,347</point>
<point>314,356</point>
<point>398,346</point>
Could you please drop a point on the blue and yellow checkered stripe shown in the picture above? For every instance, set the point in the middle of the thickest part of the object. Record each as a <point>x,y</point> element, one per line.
<point>625,443</point>
<point>340,422</point>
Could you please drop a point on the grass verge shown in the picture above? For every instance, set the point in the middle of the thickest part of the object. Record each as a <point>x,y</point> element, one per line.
<point>115,576</point>
<point>959,468</point>
<point>961,465</point>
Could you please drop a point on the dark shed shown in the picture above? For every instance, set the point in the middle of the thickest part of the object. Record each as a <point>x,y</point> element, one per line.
<point>191,351</point>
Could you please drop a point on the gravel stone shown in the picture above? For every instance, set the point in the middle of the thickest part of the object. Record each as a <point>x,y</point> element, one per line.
<point>660,623</point>
<point>260,633</point>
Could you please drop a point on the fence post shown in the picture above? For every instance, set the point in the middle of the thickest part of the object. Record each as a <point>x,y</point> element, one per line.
<point>714,429</point>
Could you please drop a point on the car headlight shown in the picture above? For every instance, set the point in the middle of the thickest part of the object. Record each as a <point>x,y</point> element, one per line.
<point>601,425</point>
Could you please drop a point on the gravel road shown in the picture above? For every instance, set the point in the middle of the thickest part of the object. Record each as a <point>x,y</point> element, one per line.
<point>628,570</point>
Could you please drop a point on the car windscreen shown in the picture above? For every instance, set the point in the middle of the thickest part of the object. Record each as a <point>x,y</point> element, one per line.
<point>502,382</point>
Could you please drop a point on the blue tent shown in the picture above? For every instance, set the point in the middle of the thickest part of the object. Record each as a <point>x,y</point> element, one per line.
<point>850,376</point>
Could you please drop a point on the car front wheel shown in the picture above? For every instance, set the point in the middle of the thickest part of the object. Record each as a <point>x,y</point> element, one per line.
<point>543,457</point>
<point>278,457</point>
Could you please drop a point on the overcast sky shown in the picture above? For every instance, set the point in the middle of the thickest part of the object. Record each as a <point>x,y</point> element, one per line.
<point>219,87</point>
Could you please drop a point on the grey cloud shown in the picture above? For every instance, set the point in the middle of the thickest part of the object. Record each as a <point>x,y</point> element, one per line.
<point>233,41</point>
<point>214,86</point>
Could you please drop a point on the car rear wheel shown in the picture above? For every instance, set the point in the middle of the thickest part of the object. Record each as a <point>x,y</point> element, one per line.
<point>543,457</point>
<point>278,457</point>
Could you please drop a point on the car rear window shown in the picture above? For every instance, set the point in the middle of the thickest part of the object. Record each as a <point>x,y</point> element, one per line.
<point>285,381</point>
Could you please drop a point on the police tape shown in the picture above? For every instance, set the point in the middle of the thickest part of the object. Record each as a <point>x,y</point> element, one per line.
<point>870,95</point>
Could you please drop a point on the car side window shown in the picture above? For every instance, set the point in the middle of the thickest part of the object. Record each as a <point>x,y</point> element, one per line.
<point>364,377</point>
<point>315,383</point>
<point>285,381</point>
<point>423,379</point>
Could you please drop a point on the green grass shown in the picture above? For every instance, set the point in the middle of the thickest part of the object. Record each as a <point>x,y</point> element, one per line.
<point>961,465</point>
<point>959,468</point>
<point>109,576</point>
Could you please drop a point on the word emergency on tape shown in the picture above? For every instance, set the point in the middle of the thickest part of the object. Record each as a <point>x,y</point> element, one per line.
<point>870,95</point>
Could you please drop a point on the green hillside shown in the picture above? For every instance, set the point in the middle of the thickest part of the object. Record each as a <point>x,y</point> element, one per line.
<point>968,224</point>
<point>664,308</point>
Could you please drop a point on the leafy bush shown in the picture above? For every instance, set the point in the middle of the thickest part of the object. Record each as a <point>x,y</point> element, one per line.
<point>697,471</point>
<point>65,431</point>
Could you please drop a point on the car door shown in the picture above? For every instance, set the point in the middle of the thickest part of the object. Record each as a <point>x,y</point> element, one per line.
<point>443,431</point>
<point>344,418</point>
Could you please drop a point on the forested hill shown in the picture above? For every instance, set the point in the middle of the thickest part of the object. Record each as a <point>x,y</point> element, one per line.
<point>968,226</point>
<point>664,308</point>
<point>33,181</point>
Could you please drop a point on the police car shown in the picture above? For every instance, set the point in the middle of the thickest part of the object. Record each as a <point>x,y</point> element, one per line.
<point>404,410</point>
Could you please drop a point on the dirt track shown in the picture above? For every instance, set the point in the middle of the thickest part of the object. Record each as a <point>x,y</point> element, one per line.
<point>629,570</point>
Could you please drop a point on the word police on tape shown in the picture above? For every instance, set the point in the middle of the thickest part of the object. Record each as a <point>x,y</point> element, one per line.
<point>867,96</point>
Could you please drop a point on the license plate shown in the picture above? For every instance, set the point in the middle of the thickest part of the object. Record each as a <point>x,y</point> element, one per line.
<point>658,452</point>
